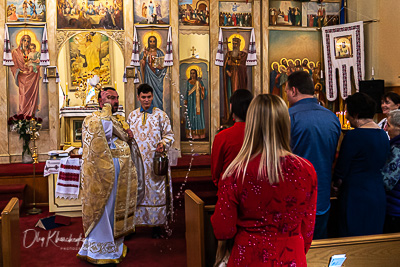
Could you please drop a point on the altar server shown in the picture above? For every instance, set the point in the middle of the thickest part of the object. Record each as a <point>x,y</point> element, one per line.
<point>152,130</point>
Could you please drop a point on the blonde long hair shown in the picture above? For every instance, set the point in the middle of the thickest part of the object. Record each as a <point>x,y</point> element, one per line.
<point>267,132</point>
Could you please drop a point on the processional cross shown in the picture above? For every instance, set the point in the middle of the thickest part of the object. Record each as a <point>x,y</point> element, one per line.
<point>226,43</point>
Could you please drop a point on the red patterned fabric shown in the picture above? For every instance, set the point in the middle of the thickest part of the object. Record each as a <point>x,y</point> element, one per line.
<point>272,224</point>
<point>226,146</point>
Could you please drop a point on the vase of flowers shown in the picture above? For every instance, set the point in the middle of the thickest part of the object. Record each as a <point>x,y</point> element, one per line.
<point>25,126</point>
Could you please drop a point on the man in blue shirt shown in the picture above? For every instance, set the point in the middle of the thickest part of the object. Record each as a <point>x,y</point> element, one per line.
<point>315,132</point>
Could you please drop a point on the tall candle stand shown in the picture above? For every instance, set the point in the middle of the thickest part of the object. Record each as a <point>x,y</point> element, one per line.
<point>34,149</point>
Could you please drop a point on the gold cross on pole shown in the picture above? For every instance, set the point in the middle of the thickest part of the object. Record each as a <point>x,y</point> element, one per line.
<point>193,50</point>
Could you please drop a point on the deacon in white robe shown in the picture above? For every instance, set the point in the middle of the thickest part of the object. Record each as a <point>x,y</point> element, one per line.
<point>152,131</point>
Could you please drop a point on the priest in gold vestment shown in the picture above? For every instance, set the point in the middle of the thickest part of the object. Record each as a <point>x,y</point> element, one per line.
<point>152,130</point>
<point>112,182</point>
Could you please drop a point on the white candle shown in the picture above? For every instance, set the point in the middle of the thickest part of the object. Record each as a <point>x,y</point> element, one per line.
<point>322,74</point>
<point>373,71</point>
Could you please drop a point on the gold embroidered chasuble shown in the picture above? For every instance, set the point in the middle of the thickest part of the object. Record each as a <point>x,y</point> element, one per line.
<point>150,129</point>
<point>98,174</point>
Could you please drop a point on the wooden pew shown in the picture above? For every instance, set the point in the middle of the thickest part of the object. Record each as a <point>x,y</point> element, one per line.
<point>201,243</point>
<point>365,251</point>
<point>10,235</point>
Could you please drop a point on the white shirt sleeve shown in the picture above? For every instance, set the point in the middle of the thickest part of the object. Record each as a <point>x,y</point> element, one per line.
<point>108,129</point>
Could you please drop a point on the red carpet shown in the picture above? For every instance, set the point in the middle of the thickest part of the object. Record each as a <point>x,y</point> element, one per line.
<point>41,248</point>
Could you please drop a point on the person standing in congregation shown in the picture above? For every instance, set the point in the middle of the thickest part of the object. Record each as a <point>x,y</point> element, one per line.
<point>111,176</point>
<point>391,175</point>
<point>152,130</point>
<point>357,176</point>
<point>267,196</point>
<point>228,142</point>
<point>390,101</point>
<point>315,133</point>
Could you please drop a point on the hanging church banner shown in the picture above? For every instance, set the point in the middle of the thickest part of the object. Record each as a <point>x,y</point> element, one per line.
<point>26,11</point>
<point>343,49</point>
<point>89,56</point>
<point>151,12</point>
<point>194,12</point>
<point>91,14</point>
<point>235,14</point>
<point>27,93</point>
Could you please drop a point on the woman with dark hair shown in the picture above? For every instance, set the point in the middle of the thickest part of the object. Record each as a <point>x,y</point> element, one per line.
<point>228,142</point>
<point>362,155</point>
<point>390,101</point>
<point>267,196</point>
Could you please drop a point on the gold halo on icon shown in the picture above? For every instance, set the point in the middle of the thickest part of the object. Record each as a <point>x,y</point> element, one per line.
<point>309,64</point>
<point>242,41</point>
<point>342,40</point>
<point>282,67</point>
<point>194,67</point>
<point>151,33</point>
<point>272,65</point>
<point>316,85</point>
<point>305,59</point>
<point>282,60</point>
<point>33,38</point>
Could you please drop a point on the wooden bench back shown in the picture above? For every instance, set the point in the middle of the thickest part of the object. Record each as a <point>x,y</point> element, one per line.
<point>10,235</point>
<point>194,222</point>
<point>365,251</point>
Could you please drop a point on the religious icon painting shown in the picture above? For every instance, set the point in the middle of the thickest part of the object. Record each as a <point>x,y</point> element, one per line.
<point>235,14</point>
<point>194,90</point>
<point>235,74</point>
<point>321,14</point>
<point>153,46</point>
<point>291,51</point>
<point>90,14</point>
<point>194,12</point>
<point>89,56</point>
<point>343,47</point>
<point>151,11</point>
<point>285,13</point>
<point>27,93</point>
<point>26,10</point>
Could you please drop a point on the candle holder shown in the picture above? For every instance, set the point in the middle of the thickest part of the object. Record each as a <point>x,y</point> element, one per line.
<point>34,149</point>
<point>81,92</point>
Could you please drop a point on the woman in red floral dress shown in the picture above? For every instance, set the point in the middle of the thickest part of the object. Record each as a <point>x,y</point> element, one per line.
<point>268,208</point>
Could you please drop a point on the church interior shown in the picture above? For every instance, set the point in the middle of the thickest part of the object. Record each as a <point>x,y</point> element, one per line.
<point>59,54</point>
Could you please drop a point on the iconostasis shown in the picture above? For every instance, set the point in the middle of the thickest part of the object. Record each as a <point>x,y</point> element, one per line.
<point>194,54</point>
